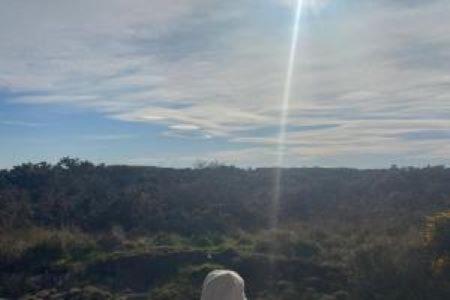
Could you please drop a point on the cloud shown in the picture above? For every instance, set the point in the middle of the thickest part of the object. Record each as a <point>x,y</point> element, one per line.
<point>20,123</point>
<point>184,127</point>
<point>376,70</point>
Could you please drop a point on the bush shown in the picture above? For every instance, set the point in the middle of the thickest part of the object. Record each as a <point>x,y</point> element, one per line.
<point>437,239</point>
<point>287,243</point>
<point>38,248</point>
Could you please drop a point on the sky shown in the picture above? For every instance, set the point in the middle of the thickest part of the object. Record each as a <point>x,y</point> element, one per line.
<point>169,83</point>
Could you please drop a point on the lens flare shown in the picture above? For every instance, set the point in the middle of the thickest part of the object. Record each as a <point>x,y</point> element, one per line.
<point>281,146</point>
<point>311,6</point>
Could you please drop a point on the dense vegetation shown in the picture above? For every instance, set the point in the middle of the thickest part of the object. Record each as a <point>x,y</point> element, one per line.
<point>75,230</point>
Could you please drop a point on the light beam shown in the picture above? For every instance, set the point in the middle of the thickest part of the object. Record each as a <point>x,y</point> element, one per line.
<point>281,144</point>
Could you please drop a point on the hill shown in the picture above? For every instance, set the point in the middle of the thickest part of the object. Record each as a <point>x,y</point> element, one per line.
<point>76,230</point>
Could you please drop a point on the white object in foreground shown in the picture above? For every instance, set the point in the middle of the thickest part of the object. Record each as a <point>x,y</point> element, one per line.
<point>223,285</point>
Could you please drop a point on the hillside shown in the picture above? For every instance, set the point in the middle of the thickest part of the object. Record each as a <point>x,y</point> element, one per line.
<point>76,230</point>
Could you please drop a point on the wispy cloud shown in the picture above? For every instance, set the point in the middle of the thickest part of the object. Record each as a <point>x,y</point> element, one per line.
<point>376,70</point>
<point>20,123</point>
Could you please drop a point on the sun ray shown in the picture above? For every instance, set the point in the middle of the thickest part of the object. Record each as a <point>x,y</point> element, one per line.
<point>281,148</point>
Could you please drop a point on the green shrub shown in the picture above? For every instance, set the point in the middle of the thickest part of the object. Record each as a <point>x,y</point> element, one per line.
<point>287,243</point>
<point>39,247</point>
<point>437,239</point>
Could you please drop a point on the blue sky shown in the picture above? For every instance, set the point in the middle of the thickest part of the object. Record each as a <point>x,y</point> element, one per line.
<point>169,83</point>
